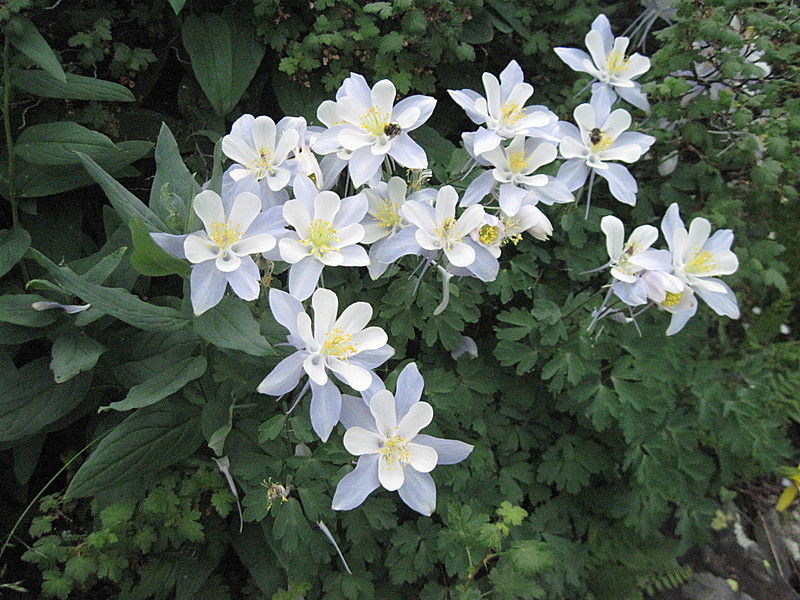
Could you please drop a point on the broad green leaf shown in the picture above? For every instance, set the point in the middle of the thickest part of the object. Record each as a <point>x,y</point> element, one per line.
<point>30,399</point>
<point>76,87</point>
<point>149,440</point>
<point>230,324</point>
<point>177,5</point>
<point>73,353</point>
<point>126,204</point>
<point>17,309</point>
<point>24,36</point>
<point>174,186</point>
<point>63,178</point>
<point>26,456</point>
<point>56,143</point>
<point>103,268</point>
<point>14,243</point>
<point>149,258</point>
<point>254,547</point>
<point>271,428</point>
<point>117,302</point>
<point>225,56</point>
<point>170,380</point>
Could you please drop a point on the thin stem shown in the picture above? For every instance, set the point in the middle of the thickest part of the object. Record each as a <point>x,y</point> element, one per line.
<point>12,196</point>
<point>589,196</point>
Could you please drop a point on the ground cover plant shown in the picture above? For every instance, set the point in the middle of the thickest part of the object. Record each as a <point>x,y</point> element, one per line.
<point>533,275</point>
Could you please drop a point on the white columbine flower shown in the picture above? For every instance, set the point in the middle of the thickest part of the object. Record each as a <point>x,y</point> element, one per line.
<point>384,434</point>
<point>608,62</point>
<point>601,137</point>
<point>260,150</point>
<point>326,232</point>
<point>698,259</point>
<point>503,110</point>
<point>340,345</point>
<point>438,229</point>
<point>370,127</point>
<point>220,253</point>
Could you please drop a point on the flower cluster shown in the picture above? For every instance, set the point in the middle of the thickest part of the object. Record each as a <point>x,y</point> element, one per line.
<point>277,201</point>
<point>671,278</point>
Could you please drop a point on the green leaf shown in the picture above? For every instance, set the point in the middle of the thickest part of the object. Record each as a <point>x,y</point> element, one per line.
<point>255,551</point>
<point>24,36</point>
<point>30,399</point>
<point>126,204</point>
<point>271,428</point>
<point>149,440</point>
<point>26,456</point>
<point>80,568</point>
<point>225,56</point>
<point>149,258</point>
<point>174,185</point>
<point>117,302</point>
<point>166,383</point>
<point>56,143</point>
<point>63,178</point>
<point>17,309</point>
<point>230,324</point>
<point>73,353</point>
<point>76,87</point>
<point>14,243</point>
<point>177,5</point>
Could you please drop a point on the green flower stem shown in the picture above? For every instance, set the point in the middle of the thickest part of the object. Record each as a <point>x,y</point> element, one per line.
<point>12,197</point>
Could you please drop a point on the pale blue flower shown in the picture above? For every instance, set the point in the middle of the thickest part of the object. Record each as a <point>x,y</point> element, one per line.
<point>384,434</point>
<point>340,345</point>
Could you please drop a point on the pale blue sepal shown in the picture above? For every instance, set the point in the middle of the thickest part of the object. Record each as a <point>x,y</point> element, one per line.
<point>359,483</point>
<point>303,277</point>
<point>450,451</point>
<point>171,244</point>
<point>285,309</point>
<point>478,189</point>
<point>285,376</point>
<point>722,303</point>
<point>635,96</point>
<point>400,244</point>
<point>326,405</point>
<point>355,413</point>
<point>207,285</point>
<point>418,491</point>
<point>573,58</point>
<point>620,182</point>
<point>573,173</point>
<point>409,390</point>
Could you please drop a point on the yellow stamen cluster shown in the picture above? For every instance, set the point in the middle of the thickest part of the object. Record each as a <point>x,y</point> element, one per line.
<point>338,344</point>
<point>488,234</point>
<point>511,225</point>
<point>517,161</point>
<point>616,63</point>
<point>387,215</point>
<point>672,299</point>
<point>225,234</point>
<point>445,234</point>
<point>375,120</point>
<point>395,449</point>
<point>604,143</point>
<point>702,262</point>
<point>320,238</point>
<point>511,112</point>
<point>263,164</point>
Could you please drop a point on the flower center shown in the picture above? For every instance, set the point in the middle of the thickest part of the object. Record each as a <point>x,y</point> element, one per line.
<point>375,121</point>
<point>672,299</point>
<point>488,234</point>
<point>387,215</point>
<point>320,237</point>
<point>444,231</point>
<point>616,63</point>
<point>600,141</point>
<point>394,448</point>
<point>702,262</point>
<point>338,344</point>
<point>512,233</point>
<point>517,161</point>
<point>511,112</point>
<point>262,165</point>
<point>224,234</point>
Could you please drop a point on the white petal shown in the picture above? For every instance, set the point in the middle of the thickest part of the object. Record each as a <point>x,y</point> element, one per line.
<point>390,474</point>
<point>417,418</point>
<point>358,441</point>
<point>423,458</point>
<point>615,235</point>
<point>208,206</point>
<point>381,405</point>
<point>197,249</point>
<point>325,304</point>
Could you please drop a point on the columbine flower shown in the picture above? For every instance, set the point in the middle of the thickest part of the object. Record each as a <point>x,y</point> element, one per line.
<point>370,127</point>
<point>503,111</point>
<point>342,346</point>
<point>384,434</point>
<point>326,232</point>
<point>438,228</point>
<point>513,170</point>
<point>697,260</point>
<point>383,219</point>
<point>601,137</point>
<point>221,253</point>
<point>609,63</point>
<point>260,150</point>
<point>528,218</point>
<point>630,260</point>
